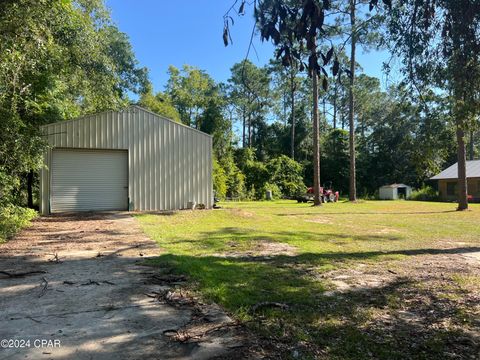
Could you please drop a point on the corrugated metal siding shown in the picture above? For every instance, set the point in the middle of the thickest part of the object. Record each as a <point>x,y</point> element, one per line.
<point>387,193</point>
<point>89,180</point>
<point>169,164</point>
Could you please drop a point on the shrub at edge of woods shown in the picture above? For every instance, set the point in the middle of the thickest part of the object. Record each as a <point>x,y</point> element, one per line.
<point>426,193</point>
<point>12,219</point>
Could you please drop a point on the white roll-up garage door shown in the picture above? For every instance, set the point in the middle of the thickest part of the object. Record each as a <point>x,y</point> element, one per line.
<point>84,180</point>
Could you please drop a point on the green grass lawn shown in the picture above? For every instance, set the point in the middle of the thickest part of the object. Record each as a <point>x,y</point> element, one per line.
<point>252,252</point>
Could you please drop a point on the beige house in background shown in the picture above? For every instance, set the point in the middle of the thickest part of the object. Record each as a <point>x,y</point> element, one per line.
<point>448,179</point>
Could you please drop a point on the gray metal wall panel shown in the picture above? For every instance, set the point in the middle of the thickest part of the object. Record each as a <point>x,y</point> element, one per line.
<point>169,164</point>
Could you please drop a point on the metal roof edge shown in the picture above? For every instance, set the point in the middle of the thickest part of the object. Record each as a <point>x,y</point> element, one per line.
<point>126,108</point>
<point>446,173</point>
<point>82,117</point>
<point>170,120</point>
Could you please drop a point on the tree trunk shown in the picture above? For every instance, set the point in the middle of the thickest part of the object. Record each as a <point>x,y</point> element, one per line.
<point>462,168</point>
<point>249,131</point>
<point>243,134</point>
<point>335,107</point>
<point>292,88</point>
<point>324,105</point>
<point>353,183</point>
<point>471,146</point>
<point>30,189</point>
<point>316,145</point>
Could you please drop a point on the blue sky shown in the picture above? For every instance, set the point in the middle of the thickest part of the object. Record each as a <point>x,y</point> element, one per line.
<point>166,33</point>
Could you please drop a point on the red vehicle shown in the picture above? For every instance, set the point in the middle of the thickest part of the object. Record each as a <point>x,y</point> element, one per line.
<point>326,194</point>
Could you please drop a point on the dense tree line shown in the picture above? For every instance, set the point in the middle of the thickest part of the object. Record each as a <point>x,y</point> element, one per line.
<point>60,59</point>
<point>447,61</point>
<point>400,137</point>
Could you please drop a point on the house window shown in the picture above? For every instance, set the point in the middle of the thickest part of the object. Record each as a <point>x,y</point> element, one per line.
<point>451,188</point>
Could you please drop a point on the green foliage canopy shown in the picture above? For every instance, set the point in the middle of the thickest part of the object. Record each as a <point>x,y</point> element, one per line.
<point>58,59</point>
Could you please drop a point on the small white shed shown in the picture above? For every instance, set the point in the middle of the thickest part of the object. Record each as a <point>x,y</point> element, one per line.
<point>394,192</point>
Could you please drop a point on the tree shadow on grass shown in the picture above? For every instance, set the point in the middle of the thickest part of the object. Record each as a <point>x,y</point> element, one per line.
<point>374,213</point>
<point>235,240</point>
<point>397,320</point>
<point>246,234</point>
<point>84,216</point>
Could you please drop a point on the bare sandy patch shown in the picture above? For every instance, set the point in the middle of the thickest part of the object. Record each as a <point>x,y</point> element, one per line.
<point>319,220</point>
<point>426,287</point>
<point>242,213</point>
<point>473,257</point>
<point>387,231</point>
<point>357,279</point>
<point>261,249</point>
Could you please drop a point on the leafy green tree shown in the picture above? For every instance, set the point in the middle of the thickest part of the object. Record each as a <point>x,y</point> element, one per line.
<point>368,104</point>
<point>287,90</point>
<point>355,23</point>
<point>201,104</point>
<point>293,26</point>
<point>286,173</point>
<point>160,103</point>
<point>434,141</point>
<point>190,90</point>
<point>58,59</point>
<point>474,142</point>
<point>236,187</point>
<point>214,122</point>
<point>256,173</point>
<point>249,92</point>
<point>335,159</point>
<point>219,180</point>
<point>439,43</point>
<point>405,140</point>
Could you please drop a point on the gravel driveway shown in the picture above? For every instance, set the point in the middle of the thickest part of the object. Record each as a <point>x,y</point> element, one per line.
<point>74,287</point>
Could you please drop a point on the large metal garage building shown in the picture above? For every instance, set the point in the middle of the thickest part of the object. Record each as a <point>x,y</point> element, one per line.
<point>125,160</point>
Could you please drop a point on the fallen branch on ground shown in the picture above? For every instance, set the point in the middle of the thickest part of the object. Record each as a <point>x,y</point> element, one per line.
<point>185,336</point>
<point>222,326</point>
<point>170,331</point>
<point>55,259</point>
<point>191,334</point>
<point>169,278</point>
<point>35,320</point>
<point>91,282</point>
<point>269,304</point>
<point>44,288</point>
<point>22,274</point>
